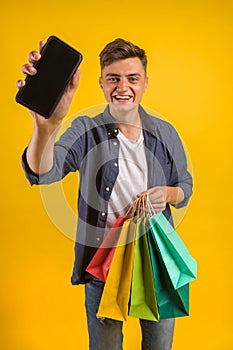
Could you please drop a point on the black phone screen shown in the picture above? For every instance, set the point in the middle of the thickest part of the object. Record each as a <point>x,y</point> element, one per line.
<point>55,68</point>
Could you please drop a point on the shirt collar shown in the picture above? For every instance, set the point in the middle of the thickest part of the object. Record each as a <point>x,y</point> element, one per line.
<point>109,121</point>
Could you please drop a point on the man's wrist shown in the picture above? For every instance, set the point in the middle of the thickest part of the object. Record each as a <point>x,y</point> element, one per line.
<point>47,129</point>
<point>174,195</point>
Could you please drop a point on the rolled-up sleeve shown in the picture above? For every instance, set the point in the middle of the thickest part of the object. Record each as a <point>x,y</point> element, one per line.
<point>30,175</point>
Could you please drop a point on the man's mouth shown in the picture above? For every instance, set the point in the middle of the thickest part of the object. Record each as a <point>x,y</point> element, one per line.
<point>122,98</point>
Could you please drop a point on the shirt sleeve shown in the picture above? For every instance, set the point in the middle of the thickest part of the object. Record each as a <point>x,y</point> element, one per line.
<point>180,176</point>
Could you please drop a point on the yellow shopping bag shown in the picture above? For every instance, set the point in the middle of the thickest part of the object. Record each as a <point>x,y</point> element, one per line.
<point>116,293</point>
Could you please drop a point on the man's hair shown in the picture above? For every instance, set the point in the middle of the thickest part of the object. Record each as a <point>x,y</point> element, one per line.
<point>120,49</point>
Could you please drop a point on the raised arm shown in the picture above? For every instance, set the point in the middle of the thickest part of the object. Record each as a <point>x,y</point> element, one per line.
<point>40,149</point>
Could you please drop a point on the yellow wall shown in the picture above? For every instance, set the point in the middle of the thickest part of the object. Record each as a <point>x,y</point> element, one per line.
<point>189,46</point>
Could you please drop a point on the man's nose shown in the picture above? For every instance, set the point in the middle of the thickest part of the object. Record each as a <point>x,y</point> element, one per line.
<point>122,85</point>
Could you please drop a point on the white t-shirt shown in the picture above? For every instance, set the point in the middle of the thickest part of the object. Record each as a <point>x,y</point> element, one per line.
<point>132,177</point>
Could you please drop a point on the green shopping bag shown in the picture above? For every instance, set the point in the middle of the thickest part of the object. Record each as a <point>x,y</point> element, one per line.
<point>171,303</point>
<point>181,266</point>
<point>115,298</point>
<point>143,302</point>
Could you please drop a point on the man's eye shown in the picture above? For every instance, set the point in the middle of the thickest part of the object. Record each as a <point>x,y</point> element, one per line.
<point>133,79</point>
<point>113,80</point>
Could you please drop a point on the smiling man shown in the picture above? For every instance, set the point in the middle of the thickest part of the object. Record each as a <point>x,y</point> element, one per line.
<point>119,154</point>
<point>124,82</point>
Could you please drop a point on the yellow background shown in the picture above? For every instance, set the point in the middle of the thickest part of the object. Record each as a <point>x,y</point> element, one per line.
<point>189,47</point>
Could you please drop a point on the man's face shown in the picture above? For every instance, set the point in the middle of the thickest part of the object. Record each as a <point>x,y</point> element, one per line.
<point>124,82</point>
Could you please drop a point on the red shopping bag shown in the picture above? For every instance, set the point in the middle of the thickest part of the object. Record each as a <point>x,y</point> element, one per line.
<point>101,261</point>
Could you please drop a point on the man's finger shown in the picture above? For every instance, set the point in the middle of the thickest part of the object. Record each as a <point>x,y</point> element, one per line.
<point>20,83</point>
<point>34,56</point>
<point>41,44</point>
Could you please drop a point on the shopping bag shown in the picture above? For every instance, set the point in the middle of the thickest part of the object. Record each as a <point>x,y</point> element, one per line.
<point>115,298</point>
<point>101,261</point>
<point>143,302</point>
<point>171,303</point>
<point>181,266</point>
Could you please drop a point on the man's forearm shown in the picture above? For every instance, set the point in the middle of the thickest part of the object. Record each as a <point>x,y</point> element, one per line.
<point>40,149</point>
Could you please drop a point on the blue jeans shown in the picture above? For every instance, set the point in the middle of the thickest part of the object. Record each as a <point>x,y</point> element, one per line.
<point>107,333</point>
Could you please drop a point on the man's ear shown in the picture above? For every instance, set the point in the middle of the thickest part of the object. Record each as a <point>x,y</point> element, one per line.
<point>146,83</point>
<point>101,82</point>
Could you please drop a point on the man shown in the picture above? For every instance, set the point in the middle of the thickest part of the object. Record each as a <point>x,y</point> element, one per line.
<point>120,154</point>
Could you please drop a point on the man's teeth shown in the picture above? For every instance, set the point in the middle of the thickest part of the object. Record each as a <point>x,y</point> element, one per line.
<point>122,97</point>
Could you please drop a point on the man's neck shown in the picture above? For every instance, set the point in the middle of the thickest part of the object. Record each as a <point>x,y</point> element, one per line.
<point>128,121</point>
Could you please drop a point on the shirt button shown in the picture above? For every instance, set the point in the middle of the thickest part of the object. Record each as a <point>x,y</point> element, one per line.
<point>116,131</point>
<point>98,239</point>
<point>115,164</point>
<point>115,143</point>
<point>103,213</point>
<point>107,189</point>
<point>109,133</point>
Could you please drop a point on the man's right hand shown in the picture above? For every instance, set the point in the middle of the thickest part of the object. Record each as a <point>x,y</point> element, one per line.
<point>40,149</point>
<point>63,105</point>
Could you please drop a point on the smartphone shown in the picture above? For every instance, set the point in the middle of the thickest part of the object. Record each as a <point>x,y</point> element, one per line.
<point>55,69</point>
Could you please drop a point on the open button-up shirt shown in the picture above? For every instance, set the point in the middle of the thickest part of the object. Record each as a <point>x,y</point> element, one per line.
<point>91,146</point>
